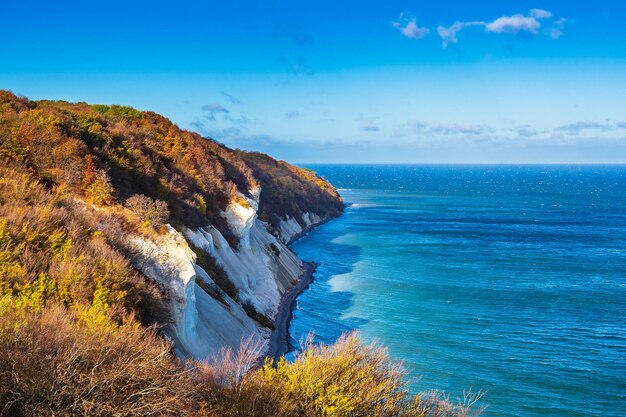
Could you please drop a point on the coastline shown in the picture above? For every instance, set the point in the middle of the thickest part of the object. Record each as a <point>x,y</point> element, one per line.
<point>278,343</point>
<point>307,229</point>
<point>279,338</point>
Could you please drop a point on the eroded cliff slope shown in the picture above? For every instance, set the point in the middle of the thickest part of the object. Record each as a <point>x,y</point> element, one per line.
<point>150,220</point>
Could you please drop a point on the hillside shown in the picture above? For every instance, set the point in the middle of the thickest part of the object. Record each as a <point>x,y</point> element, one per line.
<point>91,193</point>
<point>106,154</point>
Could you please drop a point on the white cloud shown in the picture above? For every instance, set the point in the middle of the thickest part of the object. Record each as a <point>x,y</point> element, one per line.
<point>450,129</point>
<point>407,25</point>
<point>540,14</point>
<point>577,127</point>
<point>411,30</point>
<point>557,28</point>
<point>513,24</point>
<point>448,34</point>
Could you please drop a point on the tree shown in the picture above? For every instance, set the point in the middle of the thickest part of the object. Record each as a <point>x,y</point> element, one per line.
<point>98,188</point>
<point>149,211</point>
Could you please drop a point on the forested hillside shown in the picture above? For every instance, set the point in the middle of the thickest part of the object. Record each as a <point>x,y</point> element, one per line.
<point>106,154</point>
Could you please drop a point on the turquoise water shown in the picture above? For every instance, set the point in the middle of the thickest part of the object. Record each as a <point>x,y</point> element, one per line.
<point>507,279</point>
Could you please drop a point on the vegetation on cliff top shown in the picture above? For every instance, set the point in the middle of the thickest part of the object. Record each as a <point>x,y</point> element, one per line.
<point>76,178</point>
<point>108,154</point>
<point>291,191</point>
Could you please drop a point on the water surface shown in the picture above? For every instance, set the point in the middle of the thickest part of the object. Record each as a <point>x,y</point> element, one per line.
<point>508,279</point>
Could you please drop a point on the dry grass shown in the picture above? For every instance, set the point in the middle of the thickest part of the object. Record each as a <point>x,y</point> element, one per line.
<point>59,362</point>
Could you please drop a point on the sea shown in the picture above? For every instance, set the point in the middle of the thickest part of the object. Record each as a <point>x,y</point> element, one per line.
<point>509,280</point>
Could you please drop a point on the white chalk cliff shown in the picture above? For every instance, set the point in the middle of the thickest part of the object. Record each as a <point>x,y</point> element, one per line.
<point>262,269</point>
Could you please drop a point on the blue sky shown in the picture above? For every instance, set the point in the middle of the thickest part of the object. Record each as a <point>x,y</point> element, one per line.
<point>343,81</point>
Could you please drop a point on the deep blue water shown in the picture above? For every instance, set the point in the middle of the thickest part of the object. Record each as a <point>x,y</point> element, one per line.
<point>507,279</point>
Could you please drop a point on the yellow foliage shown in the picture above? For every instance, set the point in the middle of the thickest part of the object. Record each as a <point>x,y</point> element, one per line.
<point>48,252</point>
<point>346,379</point>
<point>44,120</point>
<point>99,190</point>
<point>59,243</point>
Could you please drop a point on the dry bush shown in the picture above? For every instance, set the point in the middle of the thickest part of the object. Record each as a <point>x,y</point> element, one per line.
<point>346,379</point>
<point>148,211</point>
<point>438,404</point>
<point>106,154</point>
<point>59,362</point>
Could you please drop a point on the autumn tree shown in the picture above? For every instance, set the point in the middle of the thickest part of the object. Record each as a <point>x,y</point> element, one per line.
<point>98,188</point>
<point>150,212</point>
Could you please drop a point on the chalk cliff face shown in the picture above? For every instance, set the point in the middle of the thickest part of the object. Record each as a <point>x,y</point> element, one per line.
<point>262,268</point>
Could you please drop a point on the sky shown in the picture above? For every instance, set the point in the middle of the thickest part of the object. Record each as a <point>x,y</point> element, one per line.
<point>391,81</point>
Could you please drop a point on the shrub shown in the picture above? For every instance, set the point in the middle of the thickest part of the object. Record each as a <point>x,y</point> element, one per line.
<point>252,312</point>
<point>289,191</point>
<point>77,363</point>
<point>347,379</point>
<point>118,112</point>
<point>97,185</point>
<point>102,153</point>
<point>149,211</point>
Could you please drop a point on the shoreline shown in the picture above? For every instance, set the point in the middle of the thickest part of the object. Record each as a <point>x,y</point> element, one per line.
<point>278,343</point>
<point>307,229</point>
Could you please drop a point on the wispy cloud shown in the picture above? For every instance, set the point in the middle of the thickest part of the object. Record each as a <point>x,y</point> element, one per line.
<point>540,13</point>
<point>370,128</point>
<point>565,133</point>
<point>297,65</point>
<point>577,127</point>
<point>450,129</point>
<point>514,24</point>
<point>527,131</point>
<point>407,25</point>
<point>241,120</point>
<point>230,97</point>
<point>217,134</point>
<point>558,27</point>
<point>448,34</point>
<point>212,110</point>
